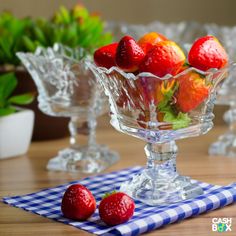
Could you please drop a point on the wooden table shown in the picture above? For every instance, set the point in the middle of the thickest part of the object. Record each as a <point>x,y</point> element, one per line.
<point>27,174</point>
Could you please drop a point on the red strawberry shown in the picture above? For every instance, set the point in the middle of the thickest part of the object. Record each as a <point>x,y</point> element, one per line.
<point>147,41</point>
<point>78,203</point>
<point>129,54</point>
<point>116,208</point>
<point>206,53</point>
<point>165,57</point>
<point>105,56</point>
<point>192,92</point>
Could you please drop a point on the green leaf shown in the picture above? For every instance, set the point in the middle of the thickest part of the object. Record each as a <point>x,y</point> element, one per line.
<point>8,83</point>
<point>39,35</point>
<point>7,111</point>
<point>168,95</point>
<point>73,28</point>
<point>11,31</point>
<point>179,121</point>
<point>79,11</point>
<point>29,44</point>
<point>186,63</point>
<point>107,194</point>
<point>22,99</point>
<point>65,14</point>
<point>162,105</point>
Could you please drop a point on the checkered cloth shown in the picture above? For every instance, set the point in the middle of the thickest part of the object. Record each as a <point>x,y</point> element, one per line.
<point>146,218</point>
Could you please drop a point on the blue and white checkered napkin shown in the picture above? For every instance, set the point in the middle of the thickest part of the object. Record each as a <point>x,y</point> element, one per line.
<point>146,218</point>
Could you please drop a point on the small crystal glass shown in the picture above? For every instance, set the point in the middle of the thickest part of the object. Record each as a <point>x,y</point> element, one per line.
<point>134,104</point>
<point>226,143</point>
<point>68,88</point>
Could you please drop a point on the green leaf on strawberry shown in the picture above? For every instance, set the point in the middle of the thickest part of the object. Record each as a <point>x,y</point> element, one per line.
<point>181,120</point>
<point>117,208</point>
<point>168,90</point>
<point>109,193</point>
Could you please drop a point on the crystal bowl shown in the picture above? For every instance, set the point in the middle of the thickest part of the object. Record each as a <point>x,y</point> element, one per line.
<point>226,143</point>
<point>139,108</point>
<point>68,88</point>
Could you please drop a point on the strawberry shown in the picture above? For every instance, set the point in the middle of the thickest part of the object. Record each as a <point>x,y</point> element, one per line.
<point>192,92</point>
<point>116,208</point>
<point>206,53</point>
<point>78,203</point>
<point>105,56</point>
<point>165,57</point>
<point>129,54</point>
<point>147,41</point>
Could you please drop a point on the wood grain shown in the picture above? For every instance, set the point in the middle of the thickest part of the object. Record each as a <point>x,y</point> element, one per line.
<point>26,174</point>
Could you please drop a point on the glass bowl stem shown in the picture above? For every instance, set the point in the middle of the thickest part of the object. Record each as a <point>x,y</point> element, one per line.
<point>160,183</point>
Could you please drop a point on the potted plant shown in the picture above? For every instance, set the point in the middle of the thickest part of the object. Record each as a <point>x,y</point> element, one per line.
<point>16,124</point>
<point>73,28</point>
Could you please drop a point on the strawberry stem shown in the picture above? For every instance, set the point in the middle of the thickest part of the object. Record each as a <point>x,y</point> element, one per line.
<point>186,64</point>
<point>109,194</point>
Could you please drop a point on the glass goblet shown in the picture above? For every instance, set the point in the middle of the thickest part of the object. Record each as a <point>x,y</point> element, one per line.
<point>138,108</point>
<point>68,88</point>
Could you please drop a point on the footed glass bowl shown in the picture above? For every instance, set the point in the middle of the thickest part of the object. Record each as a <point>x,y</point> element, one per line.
<point>68,88</point>
<point>154,110</point>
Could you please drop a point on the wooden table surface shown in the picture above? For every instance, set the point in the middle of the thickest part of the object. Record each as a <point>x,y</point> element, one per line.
<point>27,174</point>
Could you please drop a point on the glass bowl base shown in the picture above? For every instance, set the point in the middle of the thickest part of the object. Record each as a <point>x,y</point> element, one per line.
<point>224,146</point>
<point>160,191</point>
<point>84,160</point>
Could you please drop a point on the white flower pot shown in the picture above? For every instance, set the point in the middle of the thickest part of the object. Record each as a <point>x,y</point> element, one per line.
<point>15,133</point>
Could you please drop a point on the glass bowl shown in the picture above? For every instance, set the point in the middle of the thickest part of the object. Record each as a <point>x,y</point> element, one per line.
<point>226,143</point>
<point>68,88</point>
<point>138,108</point>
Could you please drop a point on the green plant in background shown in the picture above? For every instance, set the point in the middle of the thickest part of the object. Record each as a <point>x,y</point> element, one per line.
<point>11,32</point>
<point>73,28</point>
<point>8,83</point>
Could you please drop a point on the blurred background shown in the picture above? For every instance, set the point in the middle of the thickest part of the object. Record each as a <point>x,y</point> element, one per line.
<point>135,11</point>
<point>138,12</point>
<point>30,24</point>
<point>132,11</point>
